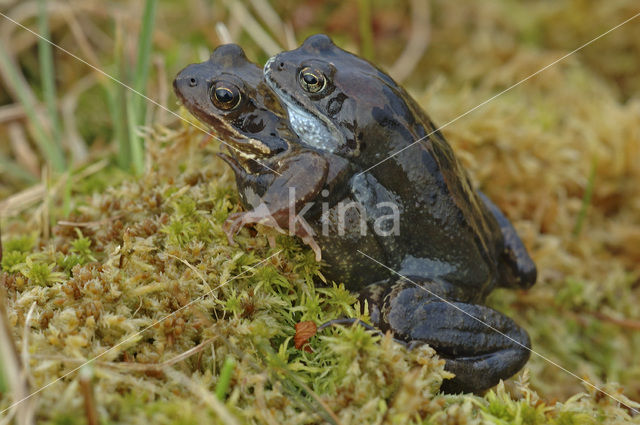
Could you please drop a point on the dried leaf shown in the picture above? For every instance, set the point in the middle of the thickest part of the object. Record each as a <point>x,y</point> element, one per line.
<point>304,331</point>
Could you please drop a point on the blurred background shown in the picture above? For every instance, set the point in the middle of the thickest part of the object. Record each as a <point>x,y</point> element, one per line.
<point>558,153</point>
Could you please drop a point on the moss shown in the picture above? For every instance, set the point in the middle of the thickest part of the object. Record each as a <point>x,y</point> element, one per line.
<point>12,260</point>
<point>161,280</point>
<point>23,244</point>
<point>38,270</point>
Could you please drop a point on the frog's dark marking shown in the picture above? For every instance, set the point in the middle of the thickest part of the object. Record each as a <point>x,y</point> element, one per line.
<point>335,104</point>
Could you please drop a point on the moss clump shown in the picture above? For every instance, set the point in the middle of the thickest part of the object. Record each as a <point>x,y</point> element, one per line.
<point>149,286</point>
<point>15,252</point>
<point>12,260</point>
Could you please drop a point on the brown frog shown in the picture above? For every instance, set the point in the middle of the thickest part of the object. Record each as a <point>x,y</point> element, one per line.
<point>454,245</point>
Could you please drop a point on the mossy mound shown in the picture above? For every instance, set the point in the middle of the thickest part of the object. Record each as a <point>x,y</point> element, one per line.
<point>143,279</point>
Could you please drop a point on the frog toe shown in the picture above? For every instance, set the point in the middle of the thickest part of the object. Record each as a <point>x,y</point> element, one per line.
<point>231,226</point>
<point>517,268</point>
<point>480,345</point>
<point>478,373</point>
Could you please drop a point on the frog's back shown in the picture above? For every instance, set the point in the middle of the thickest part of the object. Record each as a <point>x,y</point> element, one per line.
<point>446,232</point>
<point>493,233</point>
<point>450,214</point>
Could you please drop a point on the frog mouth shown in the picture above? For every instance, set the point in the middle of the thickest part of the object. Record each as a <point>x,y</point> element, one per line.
<point>313,129</point>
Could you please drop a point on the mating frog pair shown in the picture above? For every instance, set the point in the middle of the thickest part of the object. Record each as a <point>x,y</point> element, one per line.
<point>322,144</point>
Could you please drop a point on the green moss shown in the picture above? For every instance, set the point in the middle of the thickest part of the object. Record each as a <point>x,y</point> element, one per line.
<point>168,258</point>
<point>39,271</point>
<point>500,405</point>
<point>79,254</point>
<point>23,244</point>
<point>12,260</point>
<point>575,418</point>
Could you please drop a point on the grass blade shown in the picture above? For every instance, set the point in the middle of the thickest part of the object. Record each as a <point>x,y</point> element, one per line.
<point>365,29</point>
<point>116,101</point>
<point>225,378</point>
<point>135,105</point>
<point>135,141</point>
<point>47,72</point>
<point>9,167</point>
<point>49,150</point>
<point>586,198</point>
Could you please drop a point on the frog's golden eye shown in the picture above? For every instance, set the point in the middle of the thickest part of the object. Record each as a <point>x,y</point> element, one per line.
<point>312,80</point>
<point>225,96</point>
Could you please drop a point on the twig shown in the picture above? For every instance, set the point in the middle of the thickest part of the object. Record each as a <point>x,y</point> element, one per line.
<point>86,388</point>
<point>263,411</point>
<point>223,33</point>
<point>13,371</point>
<point>74,141</point>
<point>163,89</point>
<point>17,203</point>
<point>418,41</point>
<point>25,339</point>
<point>133,367</point>
<point>270,17</point>
<point>252,27</point>
<point>290,36</point>
<point>15,111</point>
<point>96,223</point>
<point>197,272</point>
<point>625,323</point>
<point>78,34</point>
<point>45,209</point>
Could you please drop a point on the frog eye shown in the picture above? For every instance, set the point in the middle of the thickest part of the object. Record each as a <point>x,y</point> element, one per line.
<point>225,96</point>
<point>312,80</point>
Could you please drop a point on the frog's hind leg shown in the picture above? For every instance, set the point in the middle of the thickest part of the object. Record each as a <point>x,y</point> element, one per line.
<point>480,345</point>
<point>517,269</point>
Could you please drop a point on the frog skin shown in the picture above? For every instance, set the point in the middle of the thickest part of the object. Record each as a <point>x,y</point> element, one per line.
<point>454,246</point>
<point>267,158</point>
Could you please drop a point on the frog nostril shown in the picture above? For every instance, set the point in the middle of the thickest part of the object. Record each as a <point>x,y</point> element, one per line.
<point>193,82</point>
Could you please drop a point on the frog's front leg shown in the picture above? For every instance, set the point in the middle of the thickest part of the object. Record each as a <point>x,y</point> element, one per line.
<point>298,180</point>
<point>480,345</point>
<point>250,185</point>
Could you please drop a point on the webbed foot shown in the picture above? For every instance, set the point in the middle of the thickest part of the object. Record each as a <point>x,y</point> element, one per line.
<point>262,215</point>
<point>236,221</point>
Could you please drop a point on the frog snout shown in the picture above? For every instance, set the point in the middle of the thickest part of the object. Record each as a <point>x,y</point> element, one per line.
<point>275,63</point>
<point>187,86</point>
<point>183,81</point>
